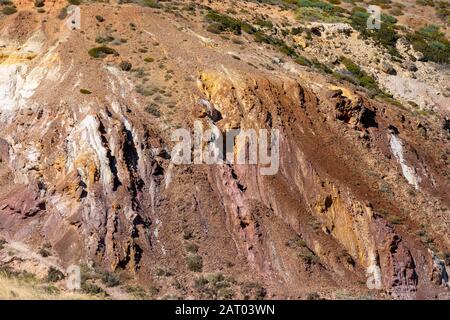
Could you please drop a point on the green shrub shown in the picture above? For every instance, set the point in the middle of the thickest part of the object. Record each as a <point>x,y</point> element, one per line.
<point>226,23</point>
<point>321,66</point>
<point>151,4</point>
<point>214,286</point>
<point>358,9</point>
<point>253,290</point>
<point>153,290</point>
<point>6,271</point>
<point>136,291</point>
<point>297,242</point>
<point>190,7</point>
<point>74,2</point>
<point>85,91</point>
<point>315,4</point>
<point>200,282</point>
<point>317,14</point>
<point>101,52</point>
<point>9,10</point>
<point>264,23</point>
<point>194,263</point>
<point>91,288</point>
<point>385,4</point>
<point>110,279</point>
<point>431,43</point>
<point>303,61</point>
<point>225,293</point>
<point>313,296</point>
<point>153,109</point>
<point>146,92</point>
<point>215,278</point>
<point>27,277</point>
<point>308,257</point>
<point>205,289</point>
<point>361,77</point>
<point>215,28</point>
<point>54,275</point>
<point>192,248</point>
<point>296,30</point>
<point>260,36</point>
<point>395,219</point>
<point>103,39</point>
<point>39,3</point>
<point>51,289</point>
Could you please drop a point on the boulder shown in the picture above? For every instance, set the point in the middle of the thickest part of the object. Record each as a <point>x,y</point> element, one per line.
<point>410,66</point>
<point>388,68</point>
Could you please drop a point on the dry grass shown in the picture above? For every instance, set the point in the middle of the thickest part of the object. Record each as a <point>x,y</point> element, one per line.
<point>12,288</point>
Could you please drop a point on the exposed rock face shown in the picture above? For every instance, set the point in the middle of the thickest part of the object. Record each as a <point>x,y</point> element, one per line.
<point>91,174</point>
<point>366,236</point>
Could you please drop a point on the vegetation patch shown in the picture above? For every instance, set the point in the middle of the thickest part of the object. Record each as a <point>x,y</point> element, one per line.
<point>44,251</point>
<point>253,290</point>
<point>9,10</point>
<point>101,52</point>
<point>431,43</point>
<point>213,286</point>
<point>153,109</point>
<point>92,289</point>
<point>136,291</point>
<point>317,10</point>
<point>85,91</point>
<point>296,242</point>
<point>192,248</point>
<point>110,279</point>
<point>151,4</point>
<point>317,14</point>
<point>194,263</point>
<point>308,257</point>
<point>393,219</point>
<point>39,3</point>
<point>104,39</point>
<point>385,36</point>
<point>54,275</point>
<point>223,23</point>
<point>359,76</point>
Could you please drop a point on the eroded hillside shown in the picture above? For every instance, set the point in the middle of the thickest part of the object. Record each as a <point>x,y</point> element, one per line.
<point>358,209</point>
